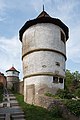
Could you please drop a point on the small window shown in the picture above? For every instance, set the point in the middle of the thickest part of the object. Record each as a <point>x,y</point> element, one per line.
<point>57,63</point>
<point>13,72</point>
<point>55,79</point>
<point>62,37</point>
<point>60,80</point>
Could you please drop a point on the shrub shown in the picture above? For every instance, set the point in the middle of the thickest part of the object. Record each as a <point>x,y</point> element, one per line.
<point>51,95</point>
<point>73,106</point>
<point>64,94</point>
<point>77,92</point>
<point>55,111</point>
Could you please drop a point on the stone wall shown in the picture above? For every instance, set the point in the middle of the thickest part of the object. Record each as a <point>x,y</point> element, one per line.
<point>21,87</point>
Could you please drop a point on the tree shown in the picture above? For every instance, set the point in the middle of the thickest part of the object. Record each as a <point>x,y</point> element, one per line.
<point>69,78</point>
<point>76,75</point>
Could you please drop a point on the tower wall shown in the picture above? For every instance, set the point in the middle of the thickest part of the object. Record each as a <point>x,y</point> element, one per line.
<point>44,55</point>
<point>12,78</point>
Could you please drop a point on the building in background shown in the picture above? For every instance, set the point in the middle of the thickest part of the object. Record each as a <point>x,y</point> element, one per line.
<point>12,78</point>
<point>43,55</point>
<point>3,81</point>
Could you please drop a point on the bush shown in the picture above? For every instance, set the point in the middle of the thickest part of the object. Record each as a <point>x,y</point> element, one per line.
<point>77,92</point>
<point>51,95</point>
<point>73,106</point>
<point>64,94</point>
<point>56,111</point>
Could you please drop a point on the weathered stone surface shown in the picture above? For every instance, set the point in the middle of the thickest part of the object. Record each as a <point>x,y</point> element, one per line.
<point>42,48</point>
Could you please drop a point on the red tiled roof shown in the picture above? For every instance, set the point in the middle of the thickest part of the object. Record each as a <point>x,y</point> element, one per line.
<point>12,69</point>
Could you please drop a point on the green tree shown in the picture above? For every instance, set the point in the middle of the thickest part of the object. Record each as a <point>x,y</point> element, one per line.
<point>76,75</point>
<point>69,78</point>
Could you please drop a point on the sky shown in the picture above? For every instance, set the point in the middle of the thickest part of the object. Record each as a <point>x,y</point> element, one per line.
<point>13,15</point>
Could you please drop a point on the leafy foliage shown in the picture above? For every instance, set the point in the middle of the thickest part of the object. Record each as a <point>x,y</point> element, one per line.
<point>73,82</point>
<point>77,92</point>
<point>51,95</point>
<point>73,106</point>
<point>56,111</point>
<point>64,94</point>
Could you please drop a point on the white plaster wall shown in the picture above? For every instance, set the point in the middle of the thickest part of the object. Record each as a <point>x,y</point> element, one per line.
<point>39,80</point>
<point>43,35</point>
<point>43,61</point>
<point>12,73</point>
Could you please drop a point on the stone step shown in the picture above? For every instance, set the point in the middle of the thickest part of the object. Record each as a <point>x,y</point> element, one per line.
<point>8,104</point>
<point>13,117</point>
<point>2,116</point>
<point>7,116</point>
<point>19,119</point>
<point>4,104</point>
<point>18,113</point>
<point>11,94</point>
<point>1,105</point>
<point>12,98</point>
<point>14,104</point>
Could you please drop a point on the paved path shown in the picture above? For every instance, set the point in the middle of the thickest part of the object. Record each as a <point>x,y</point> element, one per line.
<point>9,108</point>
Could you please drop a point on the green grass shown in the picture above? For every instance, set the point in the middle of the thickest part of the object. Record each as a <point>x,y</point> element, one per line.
<point>36,113</point>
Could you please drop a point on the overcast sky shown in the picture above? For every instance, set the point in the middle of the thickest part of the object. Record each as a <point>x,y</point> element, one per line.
<point>14,13</point>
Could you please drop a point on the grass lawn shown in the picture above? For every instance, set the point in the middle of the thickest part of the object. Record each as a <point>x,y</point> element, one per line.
<point>36,113</point>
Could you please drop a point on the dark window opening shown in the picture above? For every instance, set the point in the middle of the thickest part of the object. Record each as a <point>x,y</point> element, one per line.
<point>60,80</point>
<point>57,63</point>
<point>55,79</point>
<point>62,37</point>
<point>13,72</point>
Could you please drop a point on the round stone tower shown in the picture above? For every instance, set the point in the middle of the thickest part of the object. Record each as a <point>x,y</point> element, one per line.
<point>12,78</point>
<point>43,55</point>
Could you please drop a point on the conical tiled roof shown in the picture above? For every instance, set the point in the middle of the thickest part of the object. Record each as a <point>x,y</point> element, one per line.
<point>12,69</point>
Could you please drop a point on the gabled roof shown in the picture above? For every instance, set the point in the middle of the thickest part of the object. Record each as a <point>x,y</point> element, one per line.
<point>43,18</point>
<point>12,69</point>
